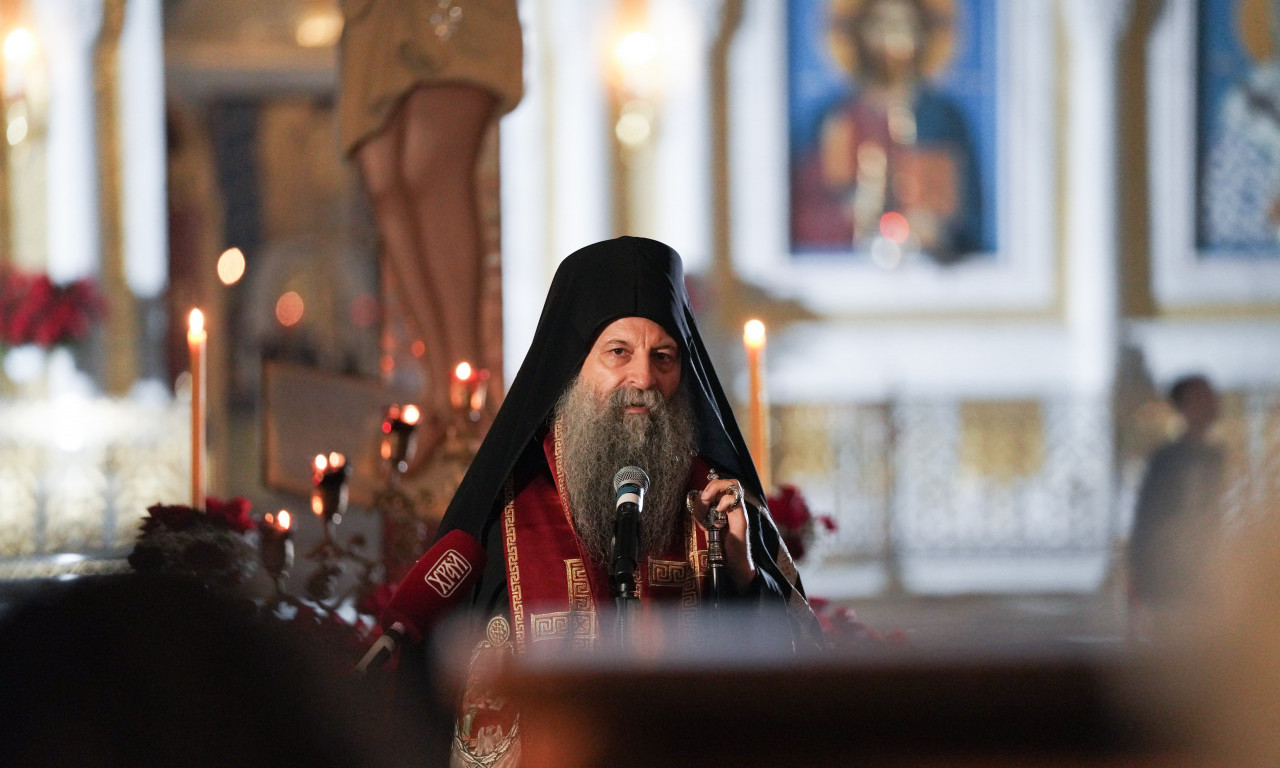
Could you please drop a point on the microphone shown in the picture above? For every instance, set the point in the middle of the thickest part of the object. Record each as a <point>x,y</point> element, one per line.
<point>629,485</point>
<point>439,580</point>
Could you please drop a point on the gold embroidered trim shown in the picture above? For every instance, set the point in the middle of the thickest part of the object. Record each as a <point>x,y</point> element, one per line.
<point>579,629</point>
<point>579,586</point>
<point>557,447</point>
<point>668,573</point>
<point>513,565</point>
<point>489,747</point>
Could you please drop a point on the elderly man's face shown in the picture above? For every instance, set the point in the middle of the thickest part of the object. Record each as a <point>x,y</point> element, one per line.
<point>633,352</point>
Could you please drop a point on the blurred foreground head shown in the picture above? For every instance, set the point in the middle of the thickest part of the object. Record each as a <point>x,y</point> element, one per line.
<point>1216,673</point>
<point>144,671</point>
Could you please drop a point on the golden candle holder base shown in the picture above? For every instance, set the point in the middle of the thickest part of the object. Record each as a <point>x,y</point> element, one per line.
<point>433,485</point>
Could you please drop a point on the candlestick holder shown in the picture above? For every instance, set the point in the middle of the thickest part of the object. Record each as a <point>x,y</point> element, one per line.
<point>468,393</point>
<point>276,548</point>
<point>399,424</point>
<point>404,534</point>
<point>329,491</point>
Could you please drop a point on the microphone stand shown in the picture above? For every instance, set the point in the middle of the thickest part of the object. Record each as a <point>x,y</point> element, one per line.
<point>629,485</point>
<point>626,602</point>
<point>622,575</point>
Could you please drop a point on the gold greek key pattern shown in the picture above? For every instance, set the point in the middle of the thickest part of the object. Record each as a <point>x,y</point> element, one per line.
<point>668,573</point>
<point>575,574</point>
<point>557,443</point>
<point>690,585</point>
<point>549,626</point>
<point>579,628</point>
<point>513,566</point>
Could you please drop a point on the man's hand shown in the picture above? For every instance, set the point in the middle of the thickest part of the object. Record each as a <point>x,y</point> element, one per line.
<point>726,496</point>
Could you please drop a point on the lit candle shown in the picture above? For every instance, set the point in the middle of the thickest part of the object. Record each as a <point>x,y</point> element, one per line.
<point>479,391</point>
<point>196,338</point>
<point>458,392</point>
<point>757,400</point>
<point>329,496</point>
<point>277,544</point>
<point>398,435</point>
<point>468,389</point>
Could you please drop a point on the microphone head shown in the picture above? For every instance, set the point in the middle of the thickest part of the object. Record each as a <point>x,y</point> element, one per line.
<point>630,476</point>
<point>441,579</point>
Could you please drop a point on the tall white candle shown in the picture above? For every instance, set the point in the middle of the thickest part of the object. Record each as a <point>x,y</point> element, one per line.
<point>757,400</point>
<point>196,341</point>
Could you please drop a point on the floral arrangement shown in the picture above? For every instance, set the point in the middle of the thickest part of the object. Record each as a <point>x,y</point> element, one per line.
<point>795,522</point>
<point>217,545</point>
<point>843,629</point>
<point>35,310</point>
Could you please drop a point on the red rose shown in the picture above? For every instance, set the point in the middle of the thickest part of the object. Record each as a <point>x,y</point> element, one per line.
<point>35,310</point>
<point>788,508</point>
<point>231,513</point>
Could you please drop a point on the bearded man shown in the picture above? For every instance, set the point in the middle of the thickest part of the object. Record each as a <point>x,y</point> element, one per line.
<point>616,376</point>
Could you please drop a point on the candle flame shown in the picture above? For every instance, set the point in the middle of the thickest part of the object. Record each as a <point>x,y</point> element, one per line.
<point>463,371</point>
<point>284,520</point>
<point>753,334</point>
<point>337,460</point>
<point>321,462</point>
<point>411,414</point>
<point>196,321</point>
<point>19,45</point>
<point>636,49</point>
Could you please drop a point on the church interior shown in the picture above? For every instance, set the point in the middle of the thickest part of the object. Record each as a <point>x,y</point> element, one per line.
<point>950,353</point>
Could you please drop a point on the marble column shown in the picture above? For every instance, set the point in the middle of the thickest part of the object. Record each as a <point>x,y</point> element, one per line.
<point>1092,293</point>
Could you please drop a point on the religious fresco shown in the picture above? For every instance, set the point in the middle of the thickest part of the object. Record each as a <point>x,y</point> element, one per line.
<point>1238,128</point>
<point>892,126</point>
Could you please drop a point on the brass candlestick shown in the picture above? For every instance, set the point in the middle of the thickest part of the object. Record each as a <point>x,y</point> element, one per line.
<point>329,491</point>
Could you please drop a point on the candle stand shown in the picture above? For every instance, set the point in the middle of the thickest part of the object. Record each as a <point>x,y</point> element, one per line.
<point>404,533</point>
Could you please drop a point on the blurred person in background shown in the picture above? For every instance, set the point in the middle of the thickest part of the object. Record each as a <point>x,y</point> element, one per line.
<point>1178,514</point>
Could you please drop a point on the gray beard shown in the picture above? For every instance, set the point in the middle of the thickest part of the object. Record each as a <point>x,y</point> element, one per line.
<point>598,439</point>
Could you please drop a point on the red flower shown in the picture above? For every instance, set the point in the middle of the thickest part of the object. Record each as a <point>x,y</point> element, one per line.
<point>795,522</point>
<point>788,507</point>
<point>33,310</point>
<point>843,629</point>
<point>231,513</point>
